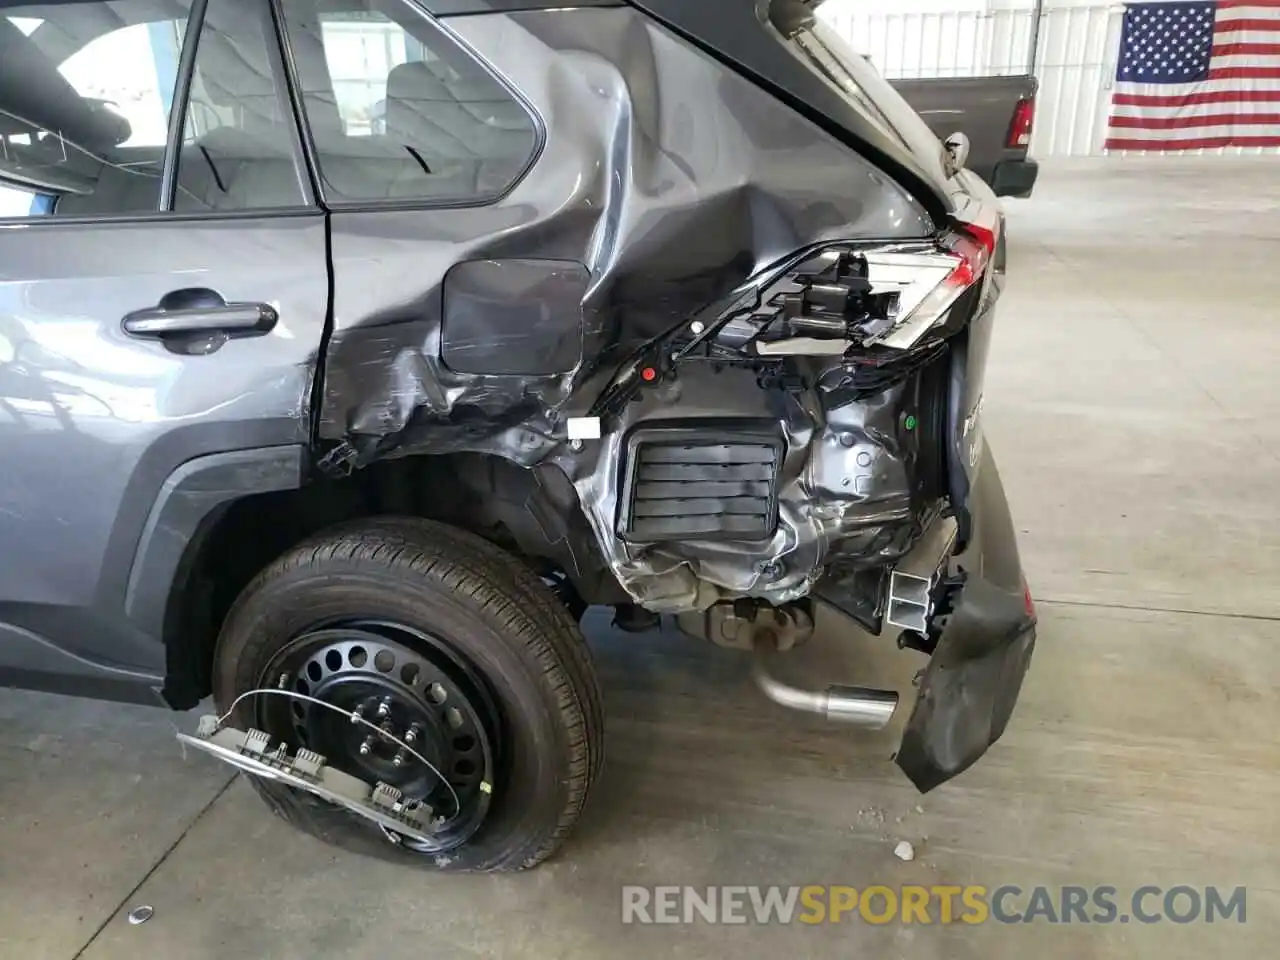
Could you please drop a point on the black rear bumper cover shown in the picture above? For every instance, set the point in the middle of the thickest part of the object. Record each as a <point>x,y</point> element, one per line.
<point>968,690</point>
<point>1015,178</point>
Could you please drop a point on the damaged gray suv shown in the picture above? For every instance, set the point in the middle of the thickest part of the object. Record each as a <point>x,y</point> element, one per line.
<point>351,349</point>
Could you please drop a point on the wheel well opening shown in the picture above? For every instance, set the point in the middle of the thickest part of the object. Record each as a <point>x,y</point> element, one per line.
<point>533,513</point>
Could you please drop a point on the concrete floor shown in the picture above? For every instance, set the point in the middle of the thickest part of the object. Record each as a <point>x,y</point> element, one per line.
<point>1133,402</point>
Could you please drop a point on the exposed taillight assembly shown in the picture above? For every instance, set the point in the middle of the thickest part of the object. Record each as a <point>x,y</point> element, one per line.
<point>1020,127</point>
<point>870,304</point>
<point>844,297</point>
<point>937,281</point>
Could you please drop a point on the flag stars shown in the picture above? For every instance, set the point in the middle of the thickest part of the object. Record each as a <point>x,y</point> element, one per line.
<point>1167,43</point>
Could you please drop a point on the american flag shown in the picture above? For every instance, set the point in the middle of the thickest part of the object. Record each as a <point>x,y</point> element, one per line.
<point>1197,75</point>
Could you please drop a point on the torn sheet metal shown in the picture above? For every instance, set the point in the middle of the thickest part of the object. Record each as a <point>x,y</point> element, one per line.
<point>670,179</point>
<point>844,490</point>
<point>666,176</point>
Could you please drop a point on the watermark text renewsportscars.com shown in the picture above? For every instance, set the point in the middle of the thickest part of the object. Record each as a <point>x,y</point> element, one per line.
<point>941,904</point>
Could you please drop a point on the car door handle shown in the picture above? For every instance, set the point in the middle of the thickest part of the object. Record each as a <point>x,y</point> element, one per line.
<point>196,311</point>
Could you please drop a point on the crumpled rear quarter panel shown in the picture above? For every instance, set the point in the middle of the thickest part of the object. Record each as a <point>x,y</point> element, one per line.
<point>667,176</point>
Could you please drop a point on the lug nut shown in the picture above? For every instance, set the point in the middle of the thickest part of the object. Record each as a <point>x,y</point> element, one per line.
<point>384,708</point>
<point>411,735</point>
<point>366,747</point>
<point>358,713</point>
<point>399,758</point>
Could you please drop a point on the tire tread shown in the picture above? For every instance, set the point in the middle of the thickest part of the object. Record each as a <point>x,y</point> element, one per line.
<point>500,587</point>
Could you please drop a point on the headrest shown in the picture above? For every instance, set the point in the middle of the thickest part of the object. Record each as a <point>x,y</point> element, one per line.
<point>456,101</point>
<point>33,91</point>
<point>437,80</point>
<point>306,40</point>
<point>229,67</point>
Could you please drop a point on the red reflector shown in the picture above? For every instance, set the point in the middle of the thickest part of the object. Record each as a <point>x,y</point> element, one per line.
<point>1027,603</point>
<point>648,374</point>
<point>984,236</point>
<point>1024,115</point>
<point>974,244</point>
<point>963,275</point>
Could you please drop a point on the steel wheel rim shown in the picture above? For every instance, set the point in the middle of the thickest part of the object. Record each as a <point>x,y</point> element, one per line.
<point>412,685</point>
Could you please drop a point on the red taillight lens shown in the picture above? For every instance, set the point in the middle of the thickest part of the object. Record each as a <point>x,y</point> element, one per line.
<point>1024,116</point>
<point>966,259</point>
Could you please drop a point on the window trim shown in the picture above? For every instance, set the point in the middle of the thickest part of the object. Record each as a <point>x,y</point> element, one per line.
<point>466,8</point>
<point>418,8</point>
<point>185,74</point>
<point>293,94</point>
<point>278,54</point>
<point>157,216</point>
<point>179,104</point>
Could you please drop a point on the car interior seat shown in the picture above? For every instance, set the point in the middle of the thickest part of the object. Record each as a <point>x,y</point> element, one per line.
<point>68,144</point>
<point>242,156</point>
<point>449,130</point>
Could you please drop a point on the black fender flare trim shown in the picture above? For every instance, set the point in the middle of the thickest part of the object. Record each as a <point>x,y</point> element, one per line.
<point>190,495</point>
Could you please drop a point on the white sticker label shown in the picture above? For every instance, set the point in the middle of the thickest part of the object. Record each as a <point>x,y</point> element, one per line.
<point>584,428</point>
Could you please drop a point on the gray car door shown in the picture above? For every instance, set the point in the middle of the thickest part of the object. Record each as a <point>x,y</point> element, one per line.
<point>162,303</point>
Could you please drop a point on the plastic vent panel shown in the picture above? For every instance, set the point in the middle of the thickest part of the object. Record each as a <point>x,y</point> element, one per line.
<point>701,484</point>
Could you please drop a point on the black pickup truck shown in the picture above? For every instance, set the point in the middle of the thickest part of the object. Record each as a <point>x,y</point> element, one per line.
<point>995,113</point>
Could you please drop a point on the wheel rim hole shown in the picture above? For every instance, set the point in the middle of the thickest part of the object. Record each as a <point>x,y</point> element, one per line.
<point>426,697</point>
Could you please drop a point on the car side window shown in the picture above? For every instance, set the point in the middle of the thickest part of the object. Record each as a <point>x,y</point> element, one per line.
<point>237,150</point>
<point>85,94</point>
<point>398,111</point>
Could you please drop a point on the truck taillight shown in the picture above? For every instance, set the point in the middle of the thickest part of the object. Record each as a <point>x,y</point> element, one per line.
<point>1024,116</point>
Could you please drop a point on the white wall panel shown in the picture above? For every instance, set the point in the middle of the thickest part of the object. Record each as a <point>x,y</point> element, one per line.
<point>1079,41</point>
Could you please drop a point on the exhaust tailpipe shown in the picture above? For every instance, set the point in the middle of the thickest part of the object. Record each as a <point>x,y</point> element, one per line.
<point>856,706</point>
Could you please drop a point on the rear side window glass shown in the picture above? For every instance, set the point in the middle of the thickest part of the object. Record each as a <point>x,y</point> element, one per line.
<point>237,148</point>
<point>398,111</point>
<point>85,95</point>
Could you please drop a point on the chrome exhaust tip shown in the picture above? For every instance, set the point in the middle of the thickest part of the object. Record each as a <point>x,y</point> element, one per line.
<point>856,706</point>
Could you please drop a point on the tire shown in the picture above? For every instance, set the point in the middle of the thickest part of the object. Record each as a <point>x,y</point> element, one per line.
<point>493,613</point>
